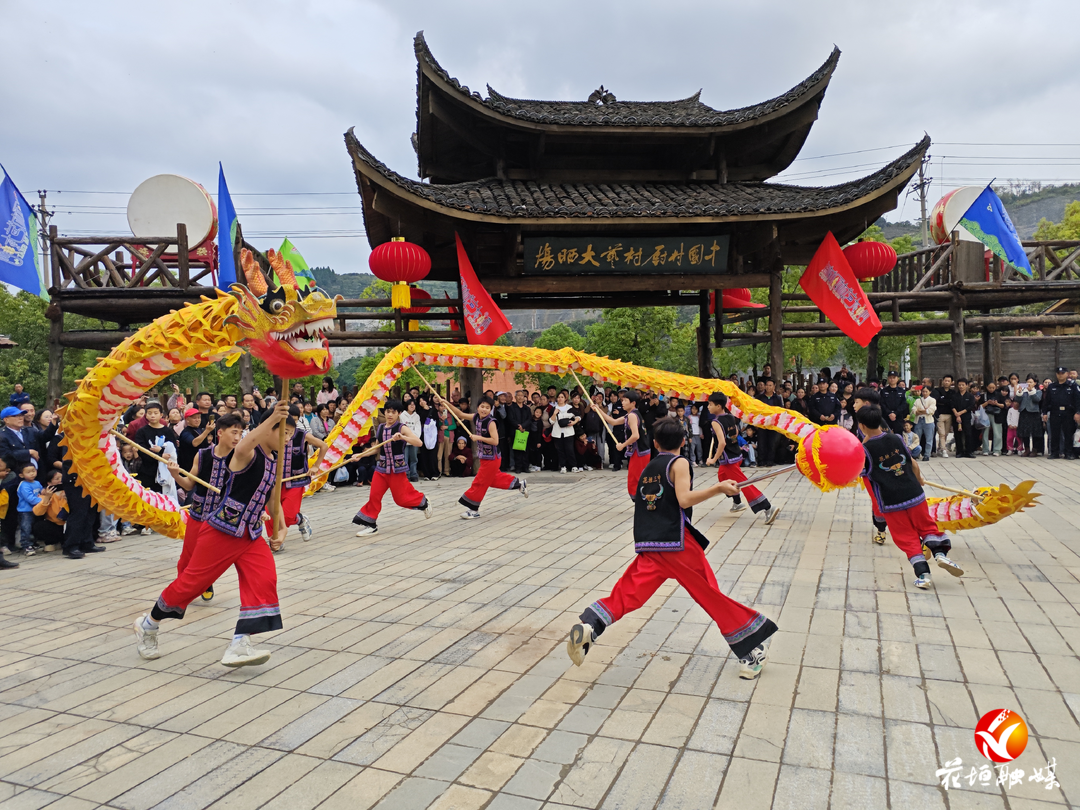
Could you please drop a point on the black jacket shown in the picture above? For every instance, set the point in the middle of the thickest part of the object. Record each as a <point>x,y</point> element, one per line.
<point>14,448</point>
<point>946,400</point>
<point>823,405</point>
<point>1061,396</point>
<point>894,400</point>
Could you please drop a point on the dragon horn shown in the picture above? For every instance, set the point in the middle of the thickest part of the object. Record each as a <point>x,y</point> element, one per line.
<point>282,267</point>
<point>256,282</point>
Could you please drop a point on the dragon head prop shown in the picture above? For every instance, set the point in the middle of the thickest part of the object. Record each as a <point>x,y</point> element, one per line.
<point>285,328</point>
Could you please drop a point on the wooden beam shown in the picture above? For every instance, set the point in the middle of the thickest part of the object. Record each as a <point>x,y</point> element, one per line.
<point>703,338</point>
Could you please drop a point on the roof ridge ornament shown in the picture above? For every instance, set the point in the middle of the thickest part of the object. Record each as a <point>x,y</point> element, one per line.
<point>602,96</point>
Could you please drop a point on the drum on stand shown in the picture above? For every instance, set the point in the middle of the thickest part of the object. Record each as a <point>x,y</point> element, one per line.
<point>158,204</point>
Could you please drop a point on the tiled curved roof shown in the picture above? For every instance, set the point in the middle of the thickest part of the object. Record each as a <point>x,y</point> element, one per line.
<point>526,199</point>
<point>687,112</point>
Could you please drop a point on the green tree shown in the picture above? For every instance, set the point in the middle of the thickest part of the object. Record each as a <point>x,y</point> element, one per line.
<point>555,337</point>
<point>1068,228</point>
<point>642,335</point>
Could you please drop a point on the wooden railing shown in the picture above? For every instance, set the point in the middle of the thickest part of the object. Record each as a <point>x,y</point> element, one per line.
<point>928,267</point>
<point>1046,264</point>
<point>128,262</point>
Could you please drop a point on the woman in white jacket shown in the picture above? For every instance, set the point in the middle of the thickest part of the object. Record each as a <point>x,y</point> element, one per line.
<point>922,412</point>
<point>562,433</point>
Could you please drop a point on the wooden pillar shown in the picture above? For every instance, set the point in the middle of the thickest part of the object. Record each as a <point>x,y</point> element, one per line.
<point>183,269</point>
<point>776,322</point>
<point>959,350</point>
<point>55,382</point>
<point>472,385</point>
<point>704,338</point>
<point>996,361</point>
<point>872,358</point>
<point>247,375</point>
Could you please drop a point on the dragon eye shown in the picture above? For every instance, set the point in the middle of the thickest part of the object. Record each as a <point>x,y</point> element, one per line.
<point>277,305</point>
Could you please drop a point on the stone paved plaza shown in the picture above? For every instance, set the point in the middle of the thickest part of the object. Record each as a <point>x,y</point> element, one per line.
<point>425,666</point>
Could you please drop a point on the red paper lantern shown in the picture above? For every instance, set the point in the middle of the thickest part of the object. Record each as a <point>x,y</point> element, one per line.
<point>417,294</point>
<point>870,259</point>
<point>401,263</point>
<point>831,457</point>
<point>733,298</point>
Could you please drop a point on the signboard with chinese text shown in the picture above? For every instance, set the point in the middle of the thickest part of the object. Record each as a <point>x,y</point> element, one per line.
<point>631,255</point>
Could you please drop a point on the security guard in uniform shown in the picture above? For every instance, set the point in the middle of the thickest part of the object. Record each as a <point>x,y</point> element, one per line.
<point>1061,400</point>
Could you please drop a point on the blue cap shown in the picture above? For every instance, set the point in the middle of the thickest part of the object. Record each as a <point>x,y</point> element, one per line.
<point>10,410</point>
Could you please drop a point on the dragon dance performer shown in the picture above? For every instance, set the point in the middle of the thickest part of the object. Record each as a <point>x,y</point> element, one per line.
<point>211,464</point>
<point>296,461</point>
<point>896,485</point>
<point>864,397</point>
<point>391,470</point>
<point>231,535</point>
<point>487,450</point>
<point>636,443</point>
<point>668,546</point>
<point>728,457</point>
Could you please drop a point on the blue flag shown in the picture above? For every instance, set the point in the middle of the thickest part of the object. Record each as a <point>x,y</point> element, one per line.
<point>18,240</point>
<point>227,227</point>
<point>988,221</point>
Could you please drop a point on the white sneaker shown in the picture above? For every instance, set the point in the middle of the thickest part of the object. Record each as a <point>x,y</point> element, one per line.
<point>751,666</point>
<point>577,646</point>
<point>524,487</point>
<point>328,487</point>
<point>242,654</point>
<point>771,514</point>
<point>562,470</point>
<point>534,468</point>
<point>948,565</point>
<point>147,640</point>
<point>146,531</point>
<point>470,514</point>
<point>304,525</point>
<point>922,581</point>
<point>427,510</point>
<point>738,507</point>
<point>944,454</point>
<point>366,530</point>
<point>128,531</point>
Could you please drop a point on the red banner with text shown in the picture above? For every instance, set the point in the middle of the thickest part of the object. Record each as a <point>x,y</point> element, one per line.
<point>831,284</point>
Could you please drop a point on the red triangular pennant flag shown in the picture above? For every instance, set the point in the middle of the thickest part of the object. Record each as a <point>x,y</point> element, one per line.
<point>484,321</point>
<point>831,284</point>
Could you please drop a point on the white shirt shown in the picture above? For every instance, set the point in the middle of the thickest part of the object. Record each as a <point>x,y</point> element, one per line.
<point>412,422</point>
<point>557,431</point>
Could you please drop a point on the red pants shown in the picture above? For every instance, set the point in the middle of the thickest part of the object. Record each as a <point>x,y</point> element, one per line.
<point>733,472</point>
<point>912,527</point>
<point>290,505</point>
<point>214,552</point>
<point>191,534</point>
<point>634,468</point>
<point>489,475</point>
<point>405,494</point>
<point>743,628</point>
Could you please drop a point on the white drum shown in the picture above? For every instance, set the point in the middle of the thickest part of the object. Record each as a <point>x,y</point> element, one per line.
<point>159,203</point>
<point>947,212</point>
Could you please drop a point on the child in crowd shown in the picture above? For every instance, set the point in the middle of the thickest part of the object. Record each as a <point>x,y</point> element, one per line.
<point>895,483</point>
<point>668,546</point>
<point>911,441</point>
<point>50,514</point>
<point>132,461</point>
<point>748,445</point>
<point>1012,423</point>
<point>697,451</point>
<point>29,497</point>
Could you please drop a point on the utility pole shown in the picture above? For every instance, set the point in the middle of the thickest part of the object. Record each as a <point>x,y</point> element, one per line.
<point>43,233</point>
<point>920,187</point>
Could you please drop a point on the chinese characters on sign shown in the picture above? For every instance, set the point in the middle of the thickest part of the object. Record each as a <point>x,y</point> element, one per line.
<point>598,255</point>
<point>953,776</point>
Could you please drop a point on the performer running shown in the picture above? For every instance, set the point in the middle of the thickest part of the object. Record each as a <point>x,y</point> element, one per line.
<point>489,475</point>
<point>896,485</point>
<point>211,464</point>
<point>391,470</point>
<point>864,397</point>
<point>296,461</point>
<point>728,457</point>
<point>636,443</point>
<point>668,546</point>
<point>232,535</point>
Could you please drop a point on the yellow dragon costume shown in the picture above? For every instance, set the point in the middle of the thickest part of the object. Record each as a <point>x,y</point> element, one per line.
<point>281,327</point>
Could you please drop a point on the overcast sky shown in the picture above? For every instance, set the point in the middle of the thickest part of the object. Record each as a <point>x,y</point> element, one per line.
<point>100,96</point>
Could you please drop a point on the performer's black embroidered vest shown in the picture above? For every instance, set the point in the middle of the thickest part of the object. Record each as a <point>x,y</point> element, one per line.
<point>641,447</point>
<point>240,510</point>
<point>296,461</point>
<point>484,450</point>
<point>660,524</point>
<point>215,471</point>
<point>392,454</point>
<point>891,473</point>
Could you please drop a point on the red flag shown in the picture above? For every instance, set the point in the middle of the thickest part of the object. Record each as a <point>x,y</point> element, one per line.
<point>455,325</point>
<point>831,284</point>
<point>484,321</point>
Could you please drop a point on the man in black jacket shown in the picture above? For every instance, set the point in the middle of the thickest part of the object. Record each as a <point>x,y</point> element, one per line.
<point>824,407</point>
<point>15,447</point>
<point>767,439</point>
<point>945,397</point>
<point>963,410</point>
<point>894,404</point>
<point>1061,401</point>
<point>519,417</point>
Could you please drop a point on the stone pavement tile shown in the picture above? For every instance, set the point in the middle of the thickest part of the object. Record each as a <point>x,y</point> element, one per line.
<point>1048,715</point>
<point>480,733</point>
<point>749,785</point>
<point>448,762</point>
<point>642,779</point>
<point>981,666</point>
<point>810,739</point>
<point>504,801</point>
<point>694,782</point>
<point>939,662</point>
<point>906,794</point>
<point>303,728</point>
<point>593,772</point>
<point>481,694</point>
<point>383,735</point>
<point>904,699</point>
<point>180,695</point>
<point>823,651</point>
<point>259,789</point>
<point>179,775</point>
<point>608,697</point>
<point>534,779</point>
<point>518,740</point>
<point>313,787</point>
<point>582,719</point>
<point>776,684</point>
<point>900,658</point>
<point>853,792</point>
<point>860,693</point>
<point>30,799</point>
<point>910,751</point>
<point>860,745</point>
<point>817,689</point>
<point>802,789</point>
<point>458,797</point>
<point>491,771</point>
<point>546,713</point>
<point>135,771</point>
<point>626,725</point>
<point>47,738</point>
<point>718,727</point>
<point>47,768</point>
<point>974,800</point>
<point>93,768</point>
<point>222,780</point>
<point>421,743</point>
<point>950,704</point>
<point>381,680</point>
<point>363,791</point>
<point>763,732</point>
<point>676,719</point>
